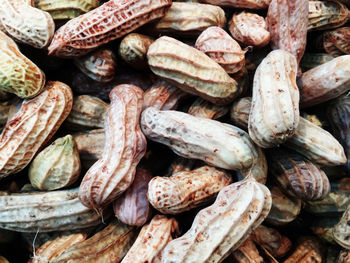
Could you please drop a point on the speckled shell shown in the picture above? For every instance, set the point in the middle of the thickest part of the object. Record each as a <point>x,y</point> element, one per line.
<point>133,50</point>
<point>325,82</point>
<point>205,109</point>
<point>186,190</point>
<point>341,231</point>
<point>53,248</point>
<point>310,249</point>
<point>87,112</point>
<point>32,126</point>
<point>133,207</point>
<point>215,143</point>
<point>152,239</point>
<point>108,245</point>
<point>99,65</point>
<point>90,146</point>
<point>337,42</point>
<point>240,112</point>
<point>190,19</point>
<point>297,176</point>
<point>326,14</point>
<point>109,21</point>
<point>125,145</point>
<point>57,166</point>
<point>219,46</point>
<point>18,74</point>
<point>287,21</point>
<point>251,4</point>
<point>25,23</point>
<point>284,209</point>
<point>274,114</point>
<point>66,9</point>
<point>240,207</point>
<point>45,212</point>
<point>191,70</point>
<point>249,29</point>
<point>163,96</point>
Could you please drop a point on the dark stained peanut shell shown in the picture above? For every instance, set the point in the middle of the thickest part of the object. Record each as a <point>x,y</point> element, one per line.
<point>323,227</point>
<point>309,249</point>
<point>247,252</point>
<point>337,42</point>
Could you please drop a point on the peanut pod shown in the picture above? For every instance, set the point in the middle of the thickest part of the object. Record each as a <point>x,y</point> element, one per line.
<point>125,145</point>
<point>198,138</point>
<point>312,60</point>
<point>337,42</point>
<point>247,252</point>
<point>310,249</point>
<point>205,109</point>
<point>341,231</point>
<point>186,190</point>
<point>32,126</point>
<point>251,4</point>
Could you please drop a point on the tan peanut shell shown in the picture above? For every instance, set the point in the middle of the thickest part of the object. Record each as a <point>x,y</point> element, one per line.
<point>215,143</point>
<point>190,19</point>
<point>205,109</point>
<point>341,231</point>
<point>240,111</point>
<point>297,176</point>
<point>251,4</point>
<point>3,260</point>
<point>90,146</point>
<point>247,252</point>
<point>133,207</point>
<point>191,70</point>
<point>99,65</point>
<point>53,248</point>
<point>87,112</point>
<point>125,145</point>
<point>223,226</point>
<point>25,23</point>
<point>45,211</point>
<point>186,190</point>
<point>109,21</point>
<point>152,239</point>
<point>284,209</point>
<point>325,82</point>
<point>219,46</point>
<point>337,42</point>
<point>32,126</point>
<point>249,29</point>
<point>57,166</point>
<point>309,250</point>
<point>326,14</point>
<point>274,114</point>
<point>20,76</point>
<point>66,9</point>
<point>133,50</point>
<point>269,238</point>
<point>287,22</point>
<point>259,168</point>
<point>108,245</point>
<point>163,96</point>
<point>180,164</point>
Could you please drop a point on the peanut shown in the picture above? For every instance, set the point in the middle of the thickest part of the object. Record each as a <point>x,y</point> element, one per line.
<point>251,4</point>
<point>337,42</point>
<point>205,109</point>
<point>247,252</point>
<point>341,231</point>
<point>309,250</point>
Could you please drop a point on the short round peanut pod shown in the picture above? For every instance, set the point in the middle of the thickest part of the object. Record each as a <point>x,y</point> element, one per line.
<point>133,50</point>
<point>57,166</point>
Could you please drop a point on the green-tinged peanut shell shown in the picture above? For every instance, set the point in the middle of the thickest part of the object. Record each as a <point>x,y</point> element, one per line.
<point>186,190</point>
<point>54,248</point>
<point>90,146</point>
<point>284,209</point>
<point>222,227</point>
<point>341,231</point>
<point>312,60</point>
<point>57,166</point>
<point>325,82</point>
<point>46,212</point>
<point>309,250</point>
<point>190,19</point>
<point>66,9</point>
<point>32,126</point>
<point>88,112</point>
<point>99,65</point>
<point>191,70</point>
<point>297,176</point>
<point>337,200</point>
<point>18,74</point>
<point>218,144</point>
<point>108,245</point>
<point>133,50</point>
<point>326,14</point>
<point>152,239</point>
<point>205,109</point>
<point>323,227</point>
